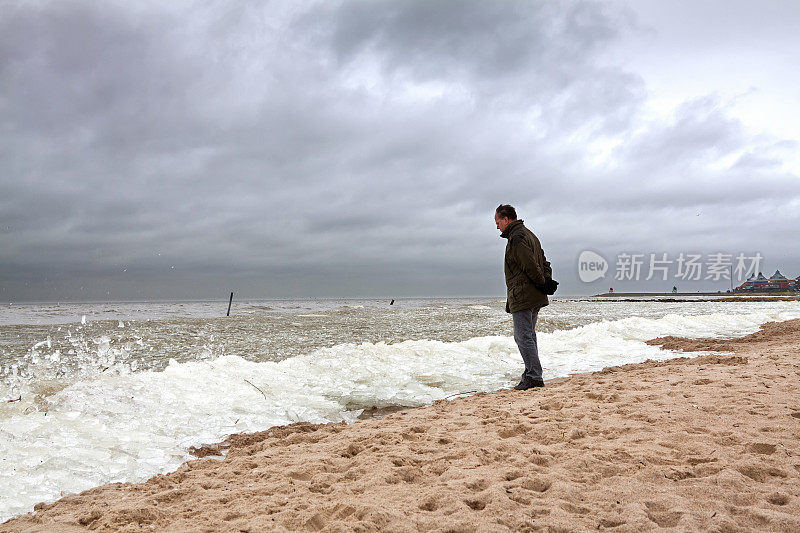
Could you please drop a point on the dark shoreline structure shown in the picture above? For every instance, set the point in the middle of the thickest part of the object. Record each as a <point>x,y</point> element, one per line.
<point>776,283</point>
<point>719,296</point>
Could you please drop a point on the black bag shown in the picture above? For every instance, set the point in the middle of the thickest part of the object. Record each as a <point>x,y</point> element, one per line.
<point>550,286</point>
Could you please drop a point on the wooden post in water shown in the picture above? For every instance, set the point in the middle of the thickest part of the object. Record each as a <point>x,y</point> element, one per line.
<point>229,305</point>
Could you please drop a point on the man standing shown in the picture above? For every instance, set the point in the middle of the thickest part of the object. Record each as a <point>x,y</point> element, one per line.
<point>526,269</point>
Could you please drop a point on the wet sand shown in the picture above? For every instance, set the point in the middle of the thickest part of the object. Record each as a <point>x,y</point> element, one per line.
<point>706,443</point>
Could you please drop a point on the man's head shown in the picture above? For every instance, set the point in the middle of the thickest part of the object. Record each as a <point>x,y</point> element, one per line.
<point>504,215</point>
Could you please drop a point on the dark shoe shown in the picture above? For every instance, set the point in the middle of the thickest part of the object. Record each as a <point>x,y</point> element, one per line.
<point>526,384</point>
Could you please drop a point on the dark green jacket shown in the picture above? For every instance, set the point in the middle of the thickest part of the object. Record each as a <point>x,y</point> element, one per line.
<point>525,267</point>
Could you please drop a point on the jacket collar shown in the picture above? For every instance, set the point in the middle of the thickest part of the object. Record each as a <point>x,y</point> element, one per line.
<point>511,227</point>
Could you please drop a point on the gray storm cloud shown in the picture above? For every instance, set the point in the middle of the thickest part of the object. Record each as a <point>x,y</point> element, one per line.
<point>350,149</point>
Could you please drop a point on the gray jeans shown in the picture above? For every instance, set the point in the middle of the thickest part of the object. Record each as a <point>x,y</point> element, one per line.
<point>525,336</point>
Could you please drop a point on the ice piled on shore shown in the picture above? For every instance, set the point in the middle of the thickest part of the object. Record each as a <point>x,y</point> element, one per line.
<point>130,426</point>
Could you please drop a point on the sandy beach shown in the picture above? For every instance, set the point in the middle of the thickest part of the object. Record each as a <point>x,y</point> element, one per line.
<point>698,443</point>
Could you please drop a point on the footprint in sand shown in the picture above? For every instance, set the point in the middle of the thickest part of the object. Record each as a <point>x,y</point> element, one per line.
<point>661,514</point>
<point>316,522</point>
<point>429,504</point>
<point>760,473</point>
<point>762,448</point>
<point>478,485</point>
<point>300,476</point>
<point>777,498</point>
<point>539,460</point>
<point>476,504</point>
<point>518,497</point>
<point>609,523</point>
<point>322,484</point>
<point>513,431</point>
<point>575,509</point>
<point>536,484</point>
<point>352,450</point>
<point>665,518</point>
<point>576,434</point>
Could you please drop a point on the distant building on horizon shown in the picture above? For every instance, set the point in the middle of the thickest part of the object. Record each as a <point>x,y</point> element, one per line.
<point>776,283</point>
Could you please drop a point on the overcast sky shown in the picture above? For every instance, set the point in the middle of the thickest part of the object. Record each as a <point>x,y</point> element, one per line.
<point>156,149</point>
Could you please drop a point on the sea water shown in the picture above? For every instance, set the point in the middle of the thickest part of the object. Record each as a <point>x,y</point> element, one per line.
<point>104,392</point>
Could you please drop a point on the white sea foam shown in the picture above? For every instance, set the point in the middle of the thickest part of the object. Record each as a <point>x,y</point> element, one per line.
<point>129,426</point>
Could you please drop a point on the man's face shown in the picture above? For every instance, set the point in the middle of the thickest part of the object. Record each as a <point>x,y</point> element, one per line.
<point>502,223</point>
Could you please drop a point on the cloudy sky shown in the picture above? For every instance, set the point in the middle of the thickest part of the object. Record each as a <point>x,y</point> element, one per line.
<point>317,149</point>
